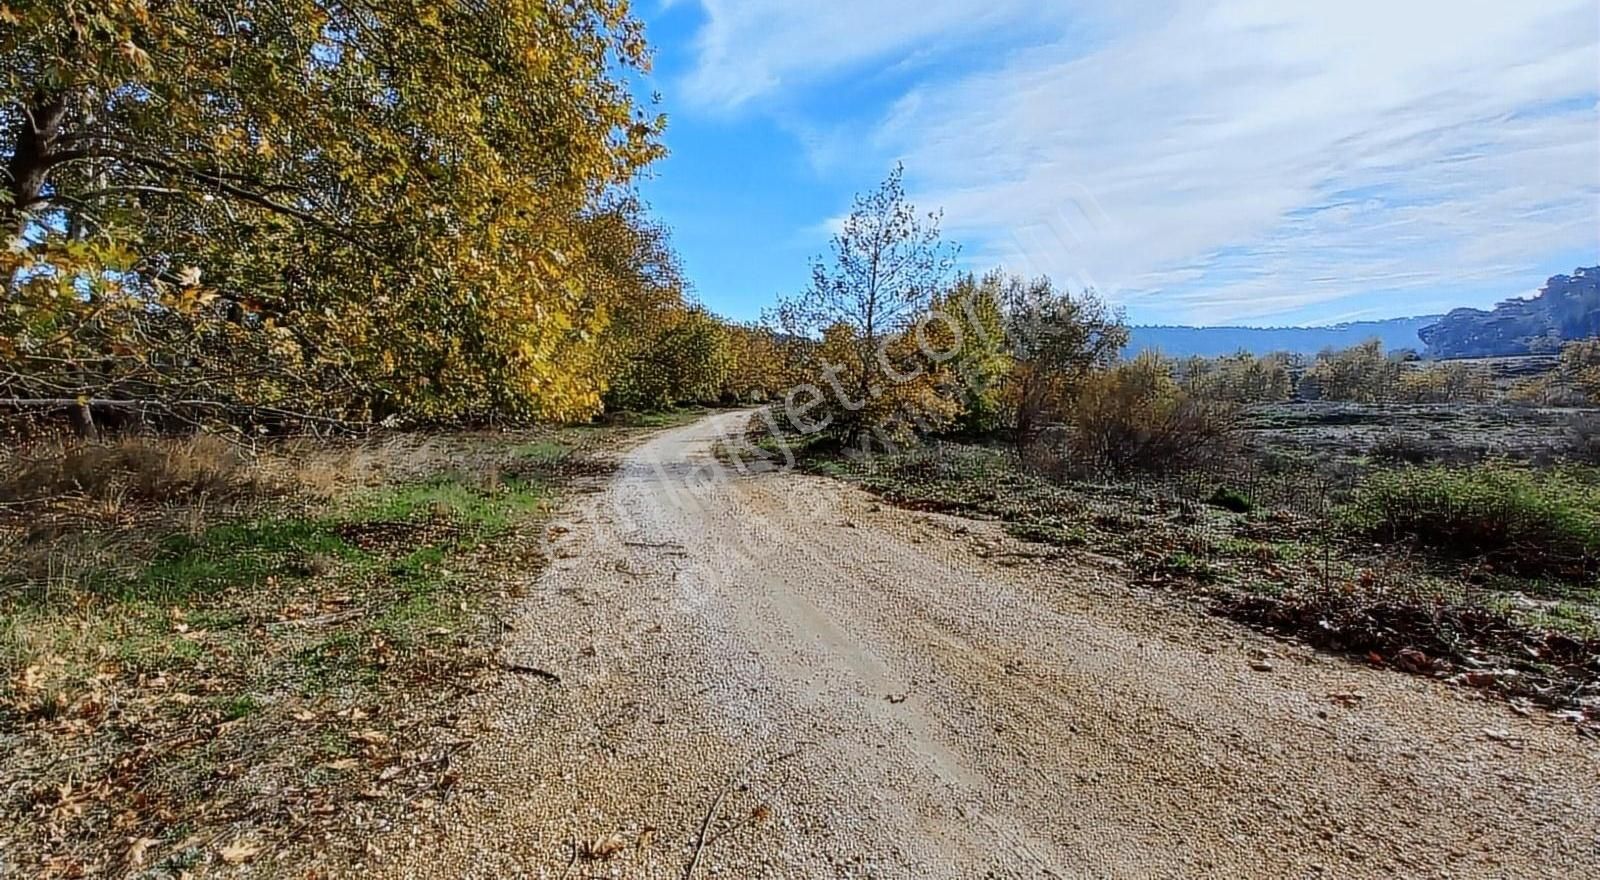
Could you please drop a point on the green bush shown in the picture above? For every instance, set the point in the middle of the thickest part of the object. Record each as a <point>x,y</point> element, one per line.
<point>1536,523</point>
<point>1231,500</point>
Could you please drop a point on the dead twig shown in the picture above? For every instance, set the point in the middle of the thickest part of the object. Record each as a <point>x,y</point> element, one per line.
<point>705,825</point>
<point>673,548</point>
<point>716,807</point>
<point>536,672</point>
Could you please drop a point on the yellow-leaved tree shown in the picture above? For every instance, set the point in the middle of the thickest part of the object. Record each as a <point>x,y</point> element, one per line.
<point>759,364</point>
<point>357,209</point>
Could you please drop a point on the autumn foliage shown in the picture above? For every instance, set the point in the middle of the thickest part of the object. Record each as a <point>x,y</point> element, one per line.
<point>412,210</point>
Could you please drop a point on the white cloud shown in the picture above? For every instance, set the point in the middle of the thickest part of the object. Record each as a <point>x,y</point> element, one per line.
<point>1237,159</point>
<point>750,48</point>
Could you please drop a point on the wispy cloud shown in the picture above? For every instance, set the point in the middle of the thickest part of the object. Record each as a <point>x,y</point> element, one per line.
<point>753,48</point>
<point>1218,161</point>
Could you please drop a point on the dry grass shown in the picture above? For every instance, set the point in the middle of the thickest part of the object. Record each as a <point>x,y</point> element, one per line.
<point>134,469</point>
<point>53,488</point>
<point>201,641</point>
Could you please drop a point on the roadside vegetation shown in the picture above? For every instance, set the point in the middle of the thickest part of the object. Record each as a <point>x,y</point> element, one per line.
<point>1426,516</point>
<point>262,232</point>
<point>296,299</point>
<point>210,653</point>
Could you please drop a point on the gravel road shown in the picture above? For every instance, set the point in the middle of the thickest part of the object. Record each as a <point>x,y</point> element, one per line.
<point>861,691</point>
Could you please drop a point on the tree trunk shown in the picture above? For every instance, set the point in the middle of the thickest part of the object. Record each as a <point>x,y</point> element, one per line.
<point>82,415</point>
<point>29,168</point>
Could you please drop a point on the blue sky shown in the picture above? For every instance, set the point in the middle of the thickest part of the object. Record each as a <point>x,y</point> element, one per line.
<point>1196,161</point>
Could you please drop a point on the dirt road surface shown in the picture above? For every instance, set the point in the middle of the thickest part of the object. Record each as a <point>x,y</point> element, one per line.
<point>852,690</point>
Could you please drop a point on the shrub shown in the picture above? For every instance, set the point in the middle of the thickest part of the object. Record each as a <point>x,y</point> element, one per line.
<point>945,462</point>
<point>1134,418</point>
<point>1361,375</point>
<point>1398,448</point>
<point>1580,366</point>
<point>1058,340</point>
<point>1231,500</point>
<point>1445,383</point>
<point>1240,378</point>
<point>1583,439</point>
<point>1533,391</point>
<point>1535,523</point>
<point>1403,449</point>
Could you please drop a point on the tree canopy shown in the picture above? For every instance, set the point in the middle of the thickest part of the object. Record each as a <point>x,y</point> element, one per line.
<point>365,208</point>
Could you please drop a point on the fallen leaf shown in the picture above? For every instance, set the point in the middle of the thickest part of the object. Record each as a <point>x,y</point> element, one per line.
<point>239,852</point>
<point>603,848</point>
<point>1412,660</point>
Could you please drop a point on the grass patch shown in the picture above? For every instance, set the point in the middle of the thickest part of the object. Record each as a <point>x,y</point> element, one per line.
<point>545,451</point>
<point>483,510</point>
<point>237,555</point>
<point>238,707</point>
<point>266,658</point>
<point>1189,565</point>
<point>1053,534</point>
<point>1237,547</point>
<point>1231,500</point>
<point>1534,523</point>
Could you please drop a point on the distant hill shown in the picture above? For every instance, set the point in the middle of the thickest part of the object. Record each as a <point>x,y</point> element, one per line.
<point>1396,333</point>
<point>1567,308</point>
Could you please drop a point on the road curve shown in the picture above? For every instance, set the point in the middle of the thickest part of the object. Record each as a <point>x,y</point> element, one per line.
<point>861,691</point>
